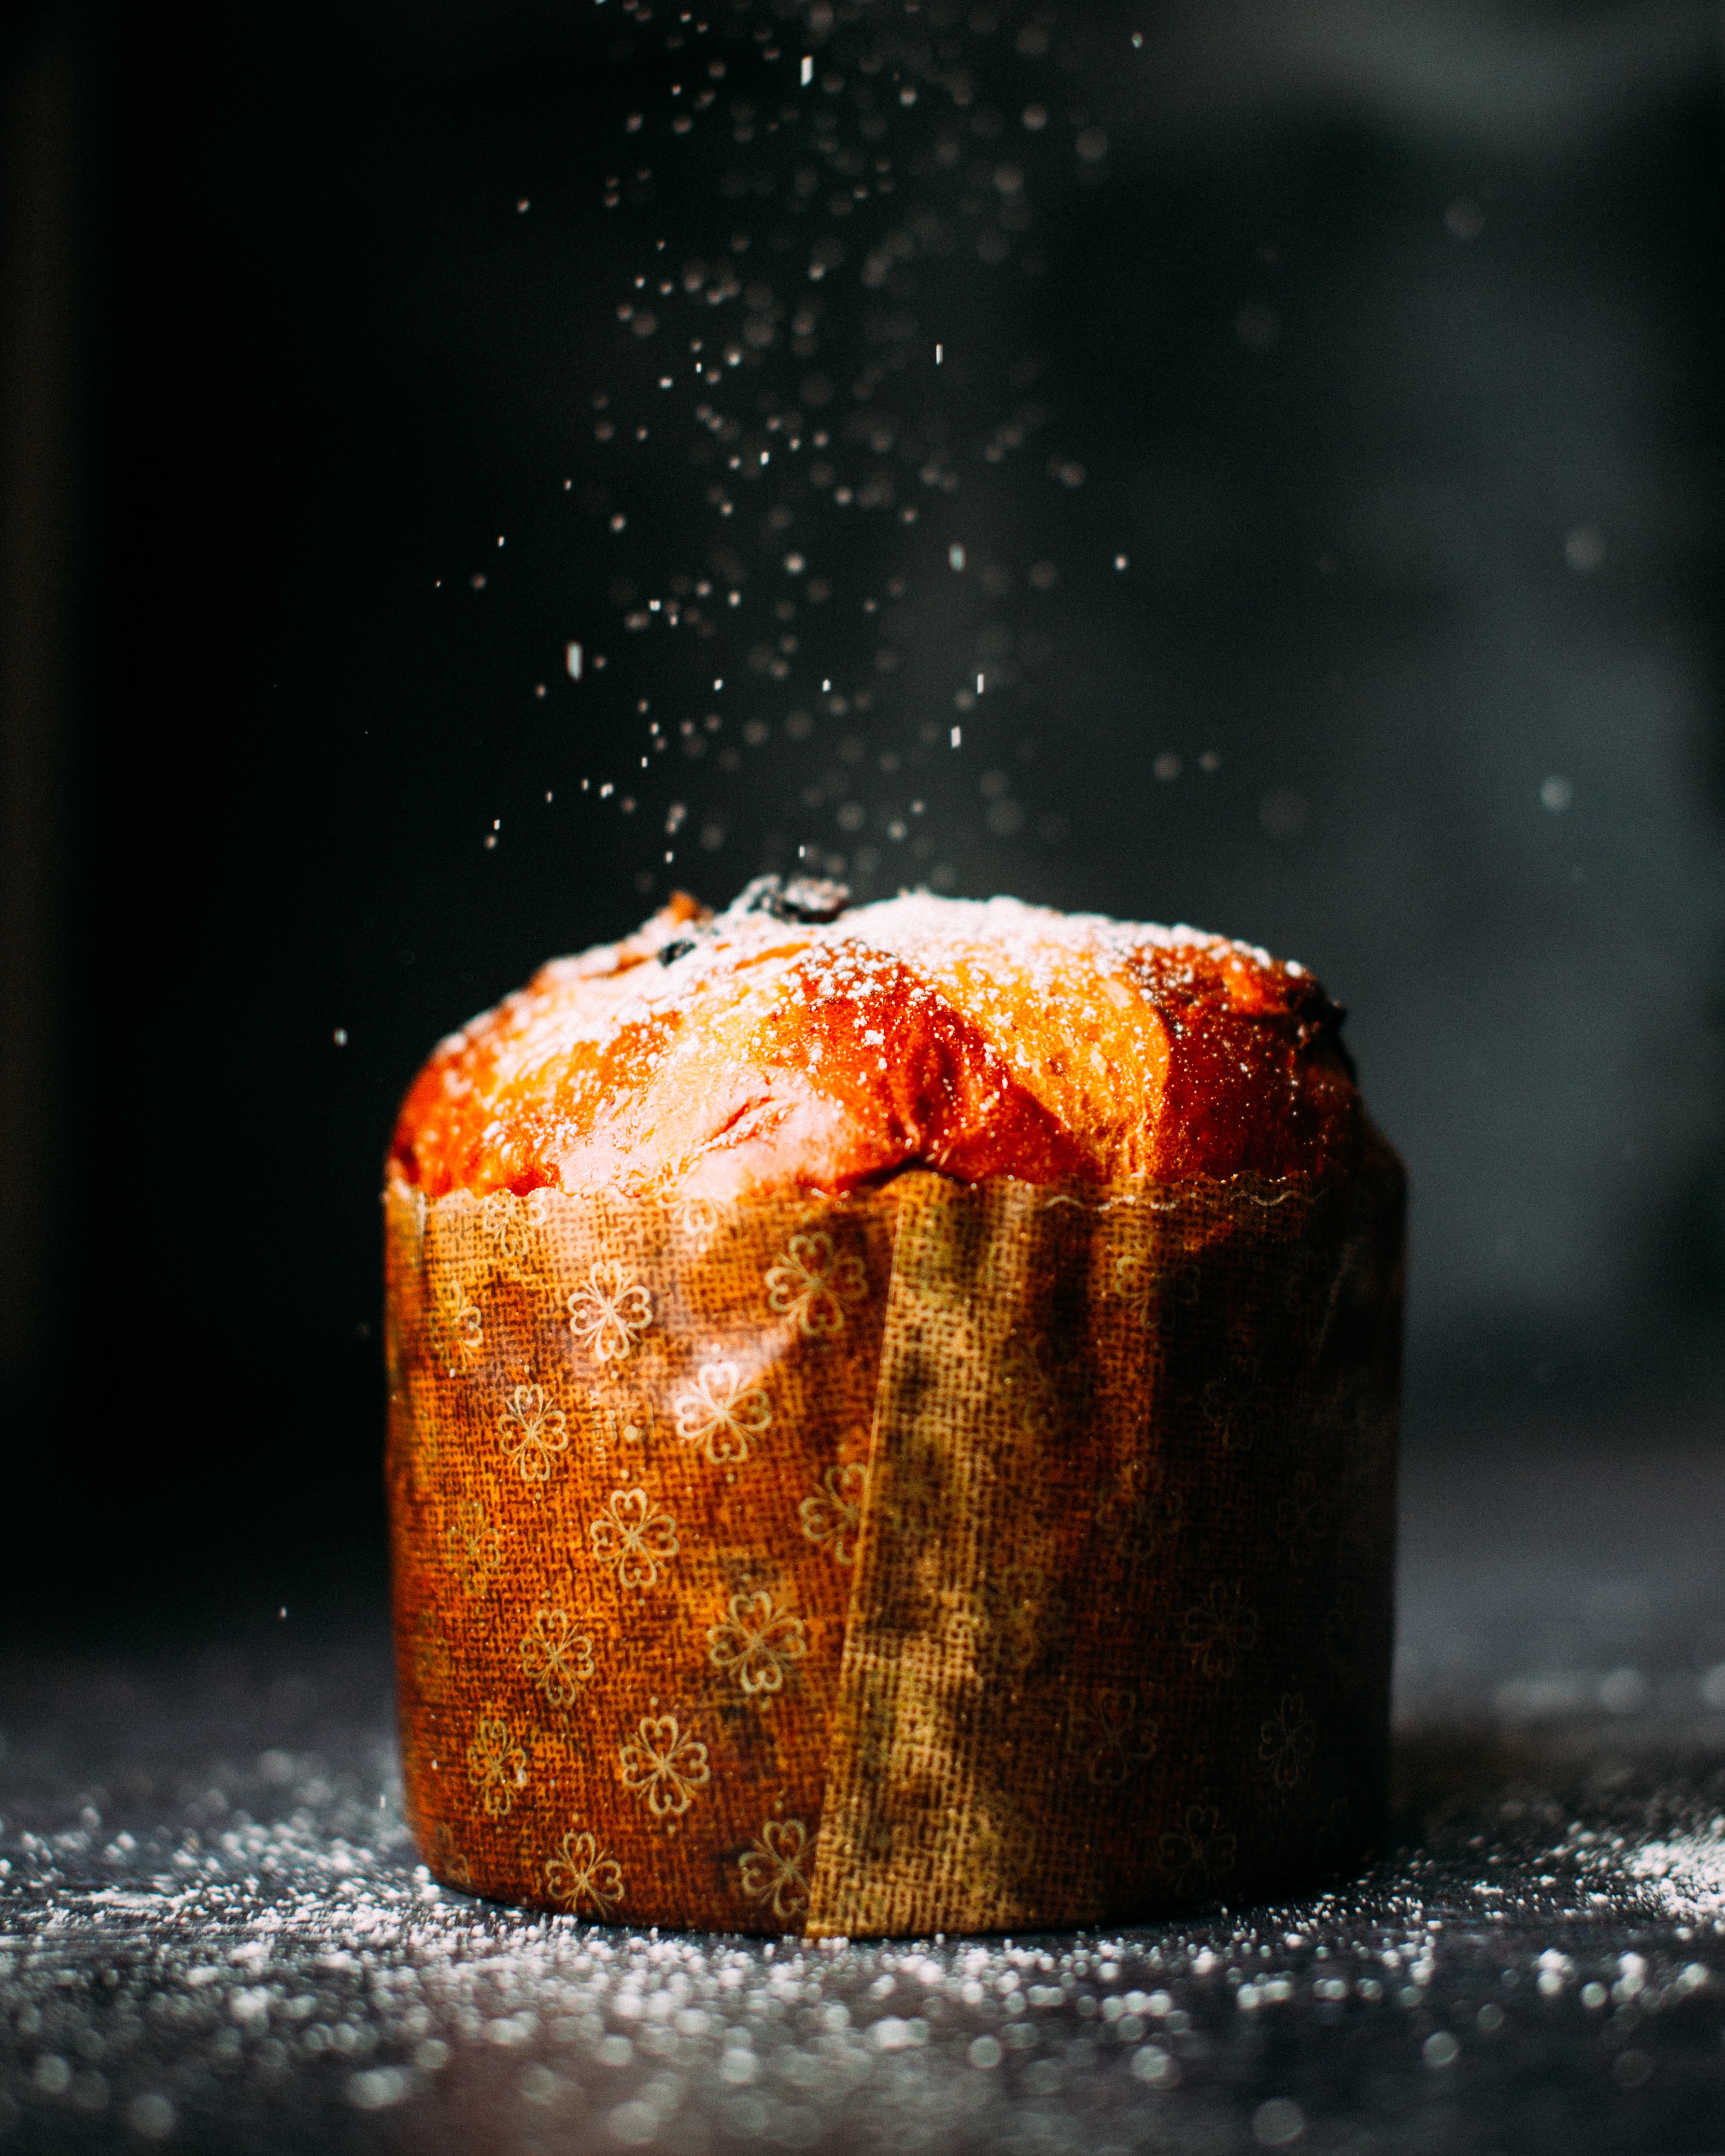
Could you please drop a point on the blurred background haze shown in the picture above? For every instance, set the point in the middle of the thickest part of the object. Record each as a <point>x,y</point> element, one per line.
<point>1381,342</point>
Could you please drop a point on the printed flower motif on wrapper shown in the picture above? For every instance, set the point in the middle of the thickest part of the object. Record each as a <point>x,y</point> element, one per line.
<point>1234,1405</point>
<point>447,1860</point>
<point>555,1657</point>
<point>756,1644</point>
<point>1198,1853</point>
<point>1288,1740</point>
<point>772,1869</point>
<point>1116,1739</point>
<point>497,1764</point>
<point>1152,1513</point>
<point>533,1430</point>
<point>610,1311</point>
<point>473,1547</point>
<point>832,1518</point>
<point>1029,1618</point>
<point>512,1224</point>
<point>1219,1630</point>
<point>1030,1394</point>
<point>1300,1518</point>
<point>581,1877</point>
<point>812,1281</point>
<point>632,1535</point>
<point>458,1333</point>
<point>697,1216</point>
<point>1150,1287</point>
<point>720,1413</point>
<point>663,1765</point>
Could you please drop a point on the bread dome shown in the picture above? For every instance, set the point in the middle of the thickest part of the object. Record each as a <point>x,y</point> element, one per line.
<point>793,1042</point>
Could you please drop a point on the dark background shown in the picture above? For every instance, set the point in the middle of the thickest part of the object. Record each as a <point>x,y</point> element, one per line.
<point>1386,340</point>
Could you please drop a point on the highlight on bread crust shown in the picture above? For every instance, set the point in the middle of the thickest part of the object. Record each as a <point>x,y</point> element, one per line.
<point>794,1042</point>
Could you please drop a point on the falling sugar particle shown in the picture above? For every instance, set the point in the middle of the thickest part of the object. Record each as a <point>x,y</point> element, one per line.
<point>1120,562</point>
<point>806,75</point>
<point>571,660</point>
<point>955,556</point>
<point>979,684</point>
<point>1584,549</point>
<point>339,1036</point>
<point>1464,220</point>
<point>939,353</point>
<point>957,735</point>
<point>1556,794</point>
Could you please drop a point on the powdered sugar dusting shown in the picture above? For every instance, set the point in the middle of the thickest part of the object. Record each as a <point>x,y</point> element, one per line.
<point>918,1028</point>
<point>215,1932</point>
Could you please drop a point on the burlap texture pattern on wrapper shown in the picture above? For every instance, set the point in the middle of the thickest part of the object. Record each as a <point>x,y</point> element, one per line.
<point>949,1558</point>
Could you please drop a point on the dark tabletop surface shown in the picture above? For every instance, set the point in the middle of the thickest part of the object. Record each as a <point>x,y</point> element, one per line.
<point>215,1935</point>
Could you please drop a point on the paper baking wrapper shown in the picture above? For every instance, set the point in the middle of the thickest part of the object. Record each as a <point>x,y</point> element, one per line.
<point>949,1558</point>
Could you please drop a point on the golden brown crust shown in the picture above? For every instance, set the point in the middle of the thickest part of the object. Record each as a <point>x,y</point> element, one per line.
<point>750,1052</point>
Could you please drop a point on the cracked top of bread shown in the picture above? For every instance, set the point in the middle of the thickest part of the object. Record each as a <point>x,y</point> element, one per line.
<point>793,1041</point>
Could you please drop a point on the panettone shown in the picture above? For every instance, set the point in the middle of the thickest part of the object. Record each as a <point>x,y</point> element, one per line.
<point>892,1424</point>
